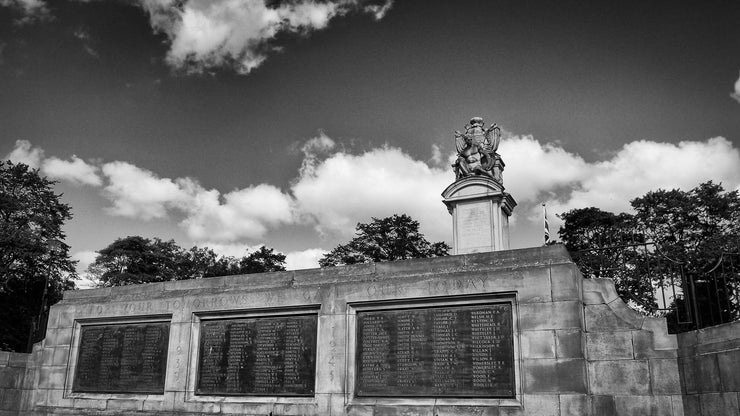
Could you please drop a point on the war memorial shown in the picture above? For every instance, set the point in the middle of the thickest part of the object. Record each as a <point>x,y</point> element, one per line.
<point>485,331</point>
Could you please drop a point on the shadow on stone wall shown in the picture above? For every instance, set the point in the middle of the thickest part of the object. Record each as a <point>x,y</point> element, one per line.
<point>709,364</point>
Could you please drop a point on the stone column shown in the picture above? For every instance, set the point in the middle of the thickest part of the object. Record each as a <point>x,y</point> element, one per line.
<point>480,214</point>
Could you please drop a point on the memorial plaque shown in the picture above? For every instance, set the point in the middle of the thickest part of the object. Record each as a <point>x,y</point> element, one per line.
<point>474,225</point>
<point>455,351</point>
<point>273,356</point>
<point>122,358</point>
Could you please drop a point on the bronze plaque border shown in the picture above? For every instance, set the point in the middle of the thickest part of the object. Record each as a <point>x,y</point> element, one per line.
<point>270,312</point>
<point>119,321</point>
<point>453,301</point>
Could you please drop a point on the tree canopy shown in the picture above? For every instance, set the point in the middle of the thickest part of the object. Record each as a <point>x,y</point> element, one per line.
<point>32,252</point>
<point>672,235</point>
<point>392,238</point>
<point>135,259</point>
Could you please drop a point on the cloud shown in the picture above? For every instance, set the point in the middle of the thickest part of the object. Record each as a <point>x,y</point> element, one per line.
<point>239,34</point>
<point>379,10</point>
<point>533,167</point>
<point>139,193</point>
<point>736,94</point>
<point>207,214</point>
<point>75,171</point>
<point>84,259</point>
<point>84,36</point>
<point>294,260</point>
<point>30,10</point>
<point>242,213</point>
<point>226,249</point>
<point>336,188</point>
<point>643,166</point>
<point>312,150</point>
<point>24,152</point>
<point>438,158</point>
<point>306,259</point>
<point>344,189</point>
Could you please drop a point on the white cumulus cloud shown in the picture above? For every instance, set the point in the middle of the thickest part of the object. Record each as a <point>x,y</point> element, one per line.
<point>736,94</point>
<point>139,193</point>
<point>84,259</point>
<point>344,189</point>
<point>305,259</point>
<point>24,152</point>
<point>240,33</point>
<point>243,213</point>
<point>336,188</point>
<point>75,171</point>
<point>643,166</point>
<point>533,167</point>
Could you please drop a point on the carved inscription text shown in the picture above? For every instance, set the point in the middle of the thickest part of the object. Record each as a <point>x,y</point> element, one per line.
<point>273,356</point>
<point>456,351</point>
<point>122,358</point>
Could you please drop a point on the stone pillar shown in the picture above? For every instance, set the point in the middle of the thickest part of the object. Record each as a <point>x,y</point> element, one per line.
<point>480,214</point>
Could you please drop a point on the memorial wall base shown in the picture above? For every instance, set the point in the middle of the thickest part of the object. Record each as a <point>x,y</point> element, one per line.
<point>516,332</point>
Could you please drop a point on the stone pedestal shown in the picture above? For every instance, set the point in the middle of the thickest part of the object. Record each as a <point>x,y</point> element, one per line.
<point>480,214</point>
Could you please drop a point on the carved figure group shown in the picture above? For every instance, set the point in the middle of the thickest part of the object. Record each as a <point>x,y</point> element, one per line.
<point>476,151</point>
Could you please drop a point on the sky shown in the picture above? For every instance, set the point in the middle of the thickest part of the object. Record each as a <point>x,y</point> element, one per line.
<point>238,123</point>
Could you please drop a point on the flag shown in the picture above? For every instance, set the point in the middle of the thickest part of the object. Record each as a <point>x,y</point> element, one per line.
<point>547,225</point>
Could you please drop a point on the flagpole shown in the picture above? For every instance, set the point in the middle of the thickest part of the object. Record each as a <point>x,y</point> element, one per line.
<point>546,224</point>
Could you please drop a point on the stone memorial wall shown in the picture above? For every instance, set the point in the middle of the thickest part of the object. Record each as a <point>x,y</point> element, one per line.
<point>515,332</point>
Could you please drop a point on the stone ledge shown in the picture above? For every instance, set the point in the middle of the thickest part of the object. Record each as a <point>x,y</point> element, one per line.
<point>492,261</point>
<point>725,336</point>
<point>535,256</point>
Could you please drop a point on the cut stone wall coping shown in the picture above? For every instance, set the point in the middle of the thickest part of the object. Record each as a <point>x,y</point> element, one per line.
<point>712,334</point>
<point>512,259</point>
<point>712,339</point>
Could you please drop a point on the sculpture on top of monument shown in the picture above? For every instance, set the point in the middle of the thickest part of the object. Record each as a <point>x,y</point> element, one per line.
<point>476,151</point>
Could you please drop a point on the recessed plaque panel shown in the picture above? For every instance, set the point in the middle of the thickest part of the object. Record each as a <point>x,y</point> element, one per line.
<point>456,351</point>
<point>273,356</point>
<point>122,358</point>
<point>474,225</point>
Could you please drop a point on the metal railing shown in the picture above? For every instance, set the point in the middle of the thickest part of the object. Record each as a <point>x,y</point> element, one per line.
<point>690,296</point>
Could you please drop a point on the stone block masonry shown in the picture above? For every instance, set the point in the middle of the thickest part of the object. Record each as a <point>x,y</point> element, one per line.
<point>574,348</point>
<point>18,377</point>
<point>709,366</point>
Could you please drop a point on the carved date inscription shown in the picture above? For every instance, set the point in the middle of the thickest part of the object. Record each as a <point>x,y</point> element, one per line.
<point>273,356</point>
<point>122,358</point>
<point>457,351</point>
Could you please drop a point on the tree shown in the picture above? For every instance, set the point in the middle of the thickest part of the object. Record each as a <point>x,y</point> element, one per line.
<point>135,259</point>
<point>673,236</point>
<point>392,238</point>
<point>263,260</point>
<point>32,254</point>
<point>694,226</point>
<point>602,244</point>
